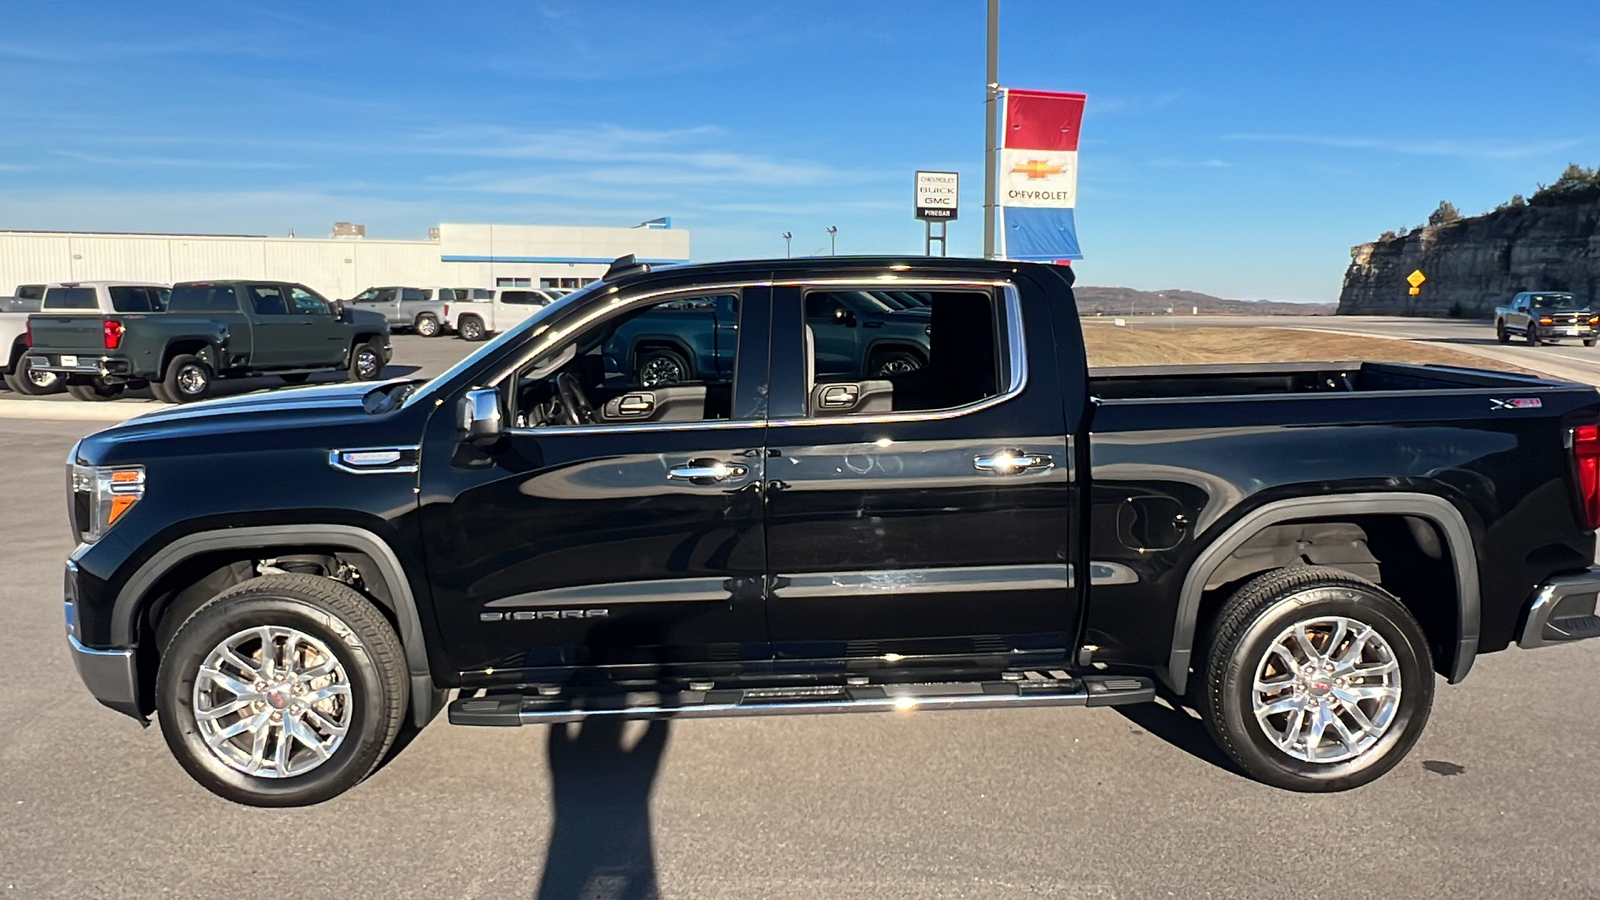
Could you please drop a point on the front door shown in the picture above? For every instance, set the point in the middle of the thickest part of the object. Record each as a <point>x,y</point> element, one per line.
<point>327,339</point>
<point>921,520</point>
<point>616,529</point>
<point>278,334</point>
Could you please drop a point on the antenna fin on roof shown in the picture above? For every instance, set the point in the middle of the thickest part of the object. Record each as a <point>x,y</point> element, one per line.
<point>625,265</point>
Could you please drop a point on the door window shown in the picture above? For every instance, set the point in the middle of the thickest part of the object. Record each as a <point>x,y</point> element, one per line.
<point>203,297</point>
<point>306,303</point>
<point>411,295</point>
<point>913,351</point>
<point>267,300</point>
<point>671,361</point>
<point>366,295</point>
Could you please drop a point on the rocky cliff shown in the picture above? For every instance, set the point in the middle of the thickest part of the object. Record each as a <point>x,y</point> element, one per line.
<point>1473,265</point>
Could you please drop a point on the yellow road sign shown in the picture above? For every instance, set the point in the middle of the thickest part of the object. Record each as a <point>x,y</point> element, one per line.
<point>1415,291</point>
<point>1416,278</point>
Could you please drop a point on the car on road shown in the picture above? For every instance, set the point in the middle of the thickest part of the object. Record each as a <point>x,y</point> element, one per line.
<point>1546,317</point>
<point>423,310</point>
<point>291,584</point>
<point>491,311</point>
<point>210,330</point>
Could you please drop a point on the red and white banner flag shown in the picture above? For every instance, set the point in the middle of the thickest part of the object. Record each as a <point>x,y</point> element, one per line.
<point>1039,175</point>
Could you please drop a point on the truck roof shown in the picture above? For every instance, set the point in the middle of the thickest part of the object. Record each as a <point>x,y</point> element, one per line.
<point>103,283</point>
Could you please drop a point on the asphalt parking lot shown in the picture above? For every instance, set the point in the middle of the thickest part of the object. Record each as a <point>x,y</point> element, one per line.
<point>1499,798</point>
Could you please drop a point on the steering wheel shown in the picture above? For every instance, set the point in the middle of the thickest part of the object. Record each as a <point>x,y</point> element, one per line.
<point>575,406</point>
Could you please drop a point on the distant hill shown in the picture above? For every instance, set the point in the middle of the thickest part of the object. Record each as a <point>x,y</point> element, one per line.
<point>1127,301</point>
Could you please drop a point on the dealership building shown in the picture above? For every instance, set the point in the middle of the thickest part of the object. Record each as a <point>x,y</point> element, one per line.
<point>342,265</point>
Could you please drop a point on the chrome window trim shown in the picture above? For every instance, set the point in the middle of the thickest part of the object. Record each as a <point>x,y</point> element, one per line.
<point>1013,309</point>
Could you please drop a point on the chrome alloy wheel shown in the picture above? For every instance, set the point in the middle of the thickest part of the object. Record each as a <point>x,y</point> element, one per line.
<point>368,365</point>
<point>1327,689</point>
<point>39,378</point>
<point>272,702</point>
<point>192,379</point>
<point>660,371</point>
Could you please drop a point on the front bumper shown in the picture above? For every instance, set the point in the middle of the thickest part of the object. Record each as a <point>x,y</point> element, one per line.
<point>1563,610</point>
<point>112,676</point>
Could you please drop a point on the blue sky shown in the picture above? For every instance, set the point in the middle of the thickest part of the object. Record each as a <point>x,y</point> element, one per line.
<point>1237,151</point>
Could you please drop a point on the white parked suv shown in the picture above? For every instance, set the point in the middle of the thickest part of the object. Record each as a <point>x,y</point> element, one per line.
<point>90,298</point>
<point>500,309</point>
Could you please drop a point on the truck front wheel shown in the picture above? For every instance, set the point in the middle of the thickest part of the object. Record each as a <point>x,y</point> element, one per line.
<point>188,379</point>
<point>366,362</point>
<point>471,328</point>
<point>1316,680</point>
<point>284,690</point>
<point>1500,333</point>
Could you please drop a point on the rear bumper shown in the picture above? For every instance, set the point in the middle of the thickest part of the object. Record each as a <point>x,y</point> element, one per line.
<point>101,366</point>
<point>1563,611</point>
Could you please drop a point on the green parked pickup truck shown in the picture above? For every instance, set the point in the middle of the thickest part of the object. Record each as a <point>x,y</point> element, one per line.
<point>210,329</point>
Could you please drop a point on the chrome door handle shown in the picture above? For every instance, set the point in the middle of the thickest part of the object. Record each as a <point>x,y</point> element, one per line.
<point>1010,462</point>
<point>706,471</point>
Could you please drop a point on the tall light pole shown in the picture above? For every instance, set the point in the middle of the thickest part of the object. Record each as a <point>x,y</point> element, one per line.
<point>833,240</point>
<point>788,243</point>
<point>990,126</point>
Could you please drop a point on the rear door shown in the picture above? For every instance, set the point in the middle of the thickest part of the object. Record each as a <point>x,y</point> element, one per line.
<point>925,519</point>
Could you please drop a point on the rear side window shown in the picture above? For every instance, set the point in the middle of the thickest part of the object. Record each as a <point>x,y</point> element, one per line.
<point>203,298</point>
<point>71,298</point>
<point>523,298</point>
<point>133,300</point>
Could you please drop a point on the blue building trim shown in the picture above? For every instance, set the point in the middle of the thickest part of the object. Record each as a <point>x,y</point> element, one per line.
<point>601,261</point>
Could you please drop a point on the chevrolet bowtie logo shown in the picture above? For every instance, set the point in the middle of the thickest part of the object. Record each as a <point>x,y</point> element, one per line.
<point>1036,169</point>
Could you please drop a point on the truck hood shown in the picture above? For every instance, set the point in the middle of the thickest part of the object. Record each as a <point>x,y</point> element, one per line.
<point>308,407</point>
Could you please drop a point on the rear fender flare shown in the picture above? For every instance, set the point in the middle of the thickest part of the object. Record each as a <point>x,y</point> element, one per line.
<point>425,698</point>
<point>1441,512</point>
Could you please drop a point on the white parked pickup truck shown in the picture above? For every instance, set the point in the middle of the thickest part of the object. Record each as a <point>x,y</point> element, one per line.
<point>90,298</point>
<point>503,307</point>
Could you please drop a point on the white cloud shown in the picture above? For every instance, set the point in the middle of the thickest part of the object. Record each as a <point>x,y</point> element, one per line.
<point>1446,147</point>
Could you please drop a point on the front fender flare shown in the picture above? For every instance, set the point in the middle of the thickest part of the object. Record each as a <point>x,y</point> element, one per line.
<point>426,700</point>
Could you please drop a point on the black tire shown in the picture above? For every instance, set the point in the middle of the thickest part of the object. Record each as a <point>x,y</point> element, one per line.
<point>427,326</point>
<point>1588,342</point>
<point>1533,335</point>
<point>34,384</point>
<point>295,377</point>
<point>366,362</point>
<point>357,635</point>
<point>892,362</point>
<point>159,391</point>
<point>1259,615</point>
<point>96,391</point>
<point>471,328</point>
<point>660,368</point>
<point>1500,333</point>
<point>188,378</point>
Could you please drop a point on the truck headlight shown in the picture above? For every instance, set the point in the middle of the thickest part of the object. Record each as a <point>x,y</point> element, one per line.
<point>100,495</point>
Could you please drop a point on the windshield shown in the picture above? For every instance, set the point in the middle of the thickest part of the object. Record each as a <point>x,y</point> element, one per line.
<point>1554,301</point>
<point>511,336</point>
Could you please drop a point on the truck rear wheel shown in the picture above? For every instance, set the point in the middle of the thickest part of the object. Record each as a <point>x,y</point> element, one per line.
<point>96,391</point>
<point>284,690</point>
<point>1316,680</point>
<point>188,379</point>
<point>427,326</point>
<point>30,382</point>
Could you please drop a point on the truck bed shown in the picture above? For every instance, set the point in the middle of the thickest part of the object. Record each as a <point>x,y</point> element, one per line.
<point>1181,382</point>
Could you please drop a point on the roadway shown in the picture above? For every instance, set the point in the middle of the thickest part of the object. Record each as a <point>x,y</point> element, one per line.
<point>1498,799</point>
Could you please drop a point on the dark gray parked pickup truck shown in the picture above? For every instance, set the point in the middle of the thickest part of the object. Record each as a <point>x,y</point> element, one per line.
<point>210,329</point>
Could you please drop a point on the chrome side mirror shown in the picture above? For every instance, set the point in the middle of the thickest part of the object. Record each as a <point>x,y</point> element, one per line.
<point>479,417</point>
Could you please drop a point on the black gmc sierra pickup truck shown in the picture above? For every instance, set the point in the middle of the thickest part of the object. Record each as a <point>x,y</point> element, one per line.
<point>291,581</point>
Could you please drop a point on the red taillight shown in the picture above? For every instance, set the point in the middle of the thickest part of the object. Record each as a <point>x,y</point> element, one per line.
<point>447,310</point>
<point>113,333</point>
<point>1546,320</point>
<point>1586,452</point>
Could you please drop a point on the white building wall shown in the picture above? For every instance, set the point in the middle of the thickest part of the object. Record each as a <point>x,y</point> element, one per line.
<point>466,255</point>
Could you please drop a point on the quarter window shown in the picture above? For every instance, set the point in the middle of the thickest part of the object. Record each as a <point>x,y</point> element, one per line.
<point>671,361</point>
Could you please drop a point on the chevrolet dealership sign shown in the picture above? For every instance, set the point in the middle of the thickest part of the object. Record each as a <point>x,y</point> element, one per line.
<point>937,195</point>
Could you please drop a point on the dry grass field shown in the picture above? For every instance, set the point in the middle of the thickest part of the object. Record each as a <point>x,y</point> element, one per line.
<point>1152,344</point>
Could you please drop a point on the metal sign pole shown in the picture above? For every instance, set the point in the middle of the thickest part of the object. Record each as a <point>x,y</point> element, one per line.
<point>992,92</point>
